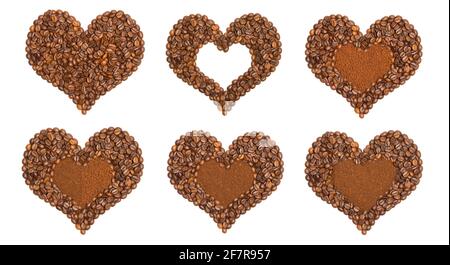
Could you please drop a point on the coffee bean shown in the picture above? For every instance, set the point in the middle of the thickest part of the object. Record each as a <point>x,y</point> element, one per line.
<point>84,64</point>
<point>334,32</point>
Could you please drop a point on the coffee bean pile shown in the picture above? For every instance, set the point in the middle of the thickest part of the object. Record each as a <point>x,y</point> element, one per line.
<point>332,32</point>
<point>85,64</point>
<point>195,148</point>
<point>252,30</point>
<point>333,147</point>
<point>50,146</point>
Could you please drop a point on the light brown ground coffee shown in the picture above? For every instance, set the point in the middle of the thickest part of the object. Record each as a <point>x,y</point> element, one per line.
<point>363,184</point>
<point>225,183</point>
<point>83,182</point>
<point>363,68</point>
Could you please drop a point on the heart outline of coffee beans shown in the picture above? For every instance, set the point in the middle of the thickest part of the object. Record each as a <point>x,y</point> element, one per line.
<point>254,31</point>
<point>335,148</point>
<point>84,64</point>
<point>52,147</point>
<point>193,150</point>
<point>393,34</point>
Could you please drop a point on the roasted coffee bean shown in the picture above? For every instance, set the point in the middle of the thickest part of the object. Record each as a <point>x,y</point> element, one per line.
<point>254,31</point>
<point>85,64</point>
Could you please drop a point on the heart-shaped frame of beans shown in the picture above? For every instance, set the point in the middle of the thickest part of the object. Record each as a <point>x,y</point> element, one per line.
<point>252,30</point>
<point>333,147</point>
<point>194,148</point>
<point>332,32</point>
<point>112,145</point>
<point>85,64</point>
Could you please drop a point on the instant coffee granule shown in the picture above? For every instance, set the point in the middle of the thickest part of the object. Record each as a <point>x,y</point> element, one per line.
<point>82,183</point>
<point>363,68</point>
<point>85,64</point>
<point>225,184</point>
<point>254,31</point>
<point>363,184</point>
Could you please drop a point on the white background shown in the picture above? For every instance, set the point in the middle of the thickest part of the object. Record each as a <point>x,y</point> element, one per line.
<point>291,106</point>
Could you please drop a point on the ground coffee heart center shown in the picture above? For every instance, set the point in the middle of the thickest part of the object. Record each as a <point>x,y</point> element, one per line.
<point>225,184</point>
<point>363,184</point>
<point>362,68</point>
<point>83,182</point>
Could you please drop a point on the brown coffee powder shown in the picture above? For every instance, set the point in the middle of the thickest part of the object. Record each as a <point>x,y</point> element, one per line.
<point>363,184</point>
<point>362,68</point>
<point>83,182</point>
<point>225,183</point>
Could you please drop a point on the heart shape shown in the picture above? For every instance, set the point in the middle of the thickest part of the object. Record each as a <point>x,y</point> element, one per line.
<point>363,68</point>
<point>82,183</point>
<point>363,184</point>
<point>225,184</point>
<point>85,64</point>
<point>252,30</point>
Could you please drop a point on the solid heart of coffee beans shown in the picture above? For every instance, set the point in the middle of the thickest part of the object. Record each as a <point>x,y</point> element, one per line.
<point>252,30</point>
<point>363,68</point>
<point>363,184</point>
<point>82,183</point>
<point>85,64</point>
<point>225,184</point>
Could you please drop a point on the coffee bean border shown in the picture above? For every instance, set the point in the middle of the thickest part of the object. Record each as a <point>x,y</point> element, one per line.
<point>332,147</point>
<point>85,64</point>
<point>334,31</point>
<point>194,148</point>
<point>254,31</point>
<point>50,146</point>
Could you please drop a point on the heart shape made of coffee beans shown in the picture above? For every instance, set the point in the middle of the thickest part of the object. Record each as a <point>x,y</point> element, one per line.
<point>363,68</point>
<point>252,30</point>
<point>363,184</point>
<point>85,64</point>
<point>225,184</point>
<point>82,183</point>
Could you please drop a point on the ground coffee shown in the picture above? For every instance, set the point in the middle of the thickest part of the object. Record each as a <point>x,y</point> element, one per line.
<point>363,68</point>
<point>85,64</point>
<point>225,184</point>
<point>254,31</point>
<point>82,183</point>
<point>363,184</point>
